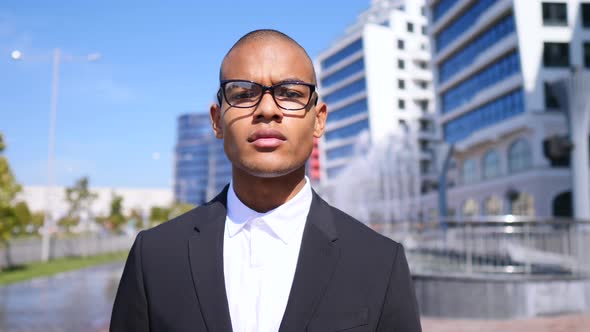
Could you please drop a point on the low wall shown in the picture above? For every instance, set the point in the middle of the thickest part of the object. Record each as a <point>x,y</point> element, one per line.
<point>500,297</point>
<point>24,251</point>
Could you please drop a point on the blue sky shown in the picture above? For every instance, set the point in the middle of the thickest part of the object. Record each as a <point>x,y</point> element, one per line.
<point>159,59</point>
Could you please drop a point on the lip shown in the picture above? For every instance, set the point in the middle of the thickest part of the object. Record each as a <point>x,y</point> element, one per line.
<point>266,138</point>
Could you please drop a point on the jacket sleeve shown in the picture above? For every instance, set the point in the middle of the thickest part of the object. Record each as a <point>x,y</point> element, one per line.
<point>400,310</point>
<point>130,311</point>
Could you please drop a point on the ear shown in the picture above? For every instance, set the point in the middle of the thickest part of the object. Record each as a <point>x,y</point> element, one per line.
<point>215,114</point>
<point>321,114</point>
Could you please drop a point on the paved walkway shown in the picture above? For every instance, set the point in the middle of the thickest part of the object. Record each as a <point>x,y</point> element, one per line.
<point>82,301</point>
<point>562,323</point>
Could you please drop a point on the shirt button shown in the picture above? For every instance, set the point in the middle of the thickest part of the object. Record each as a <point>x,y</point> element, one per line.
<point>259,221</point>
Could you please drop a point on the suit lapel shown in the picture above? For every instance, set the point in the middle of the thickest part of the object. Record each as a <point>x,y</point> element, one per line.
<point>206,262</point>
<point>317,260</point>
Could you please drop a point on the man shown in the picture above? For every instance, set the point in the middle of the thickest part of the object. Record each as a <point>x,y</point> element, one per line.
<point>267,254</point>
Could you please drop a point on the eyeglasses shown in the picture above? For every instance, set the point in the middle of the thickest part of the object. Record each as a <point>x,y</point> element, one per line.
<point>290,96</point>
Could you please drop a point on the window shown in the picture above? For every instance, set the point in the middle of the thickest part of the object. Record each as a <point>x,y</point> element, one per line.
<point>355,108</point>
<point>492,206</point>
<point>401,64</point>
<point>341,74</point>
<point>523,205</point>
<point>404,126</point>
<point>469,171</point>
<point>554,13</point>
<point>410,27</point>
<point>346,91</point>
<point>401,84</point>
<point>587,55</point>
<point>401,104</point>
<point>351,130</point>
<point>423,64</point>
<point>551,101</point>
<point>465,91</point>
<point>470,208</point>
<point>424,30</point>
<point>343,53</point>
<point>586,15</point>
<point>491,164</point>
<point>466,56</point>
<point>423,106</point>
<point>400,44</point>
<point>423,85</point>
<point>464,22</point>
<point>484,116</point>
<point>519,156</point>
<point>556,55</point>
<point>423,10</point>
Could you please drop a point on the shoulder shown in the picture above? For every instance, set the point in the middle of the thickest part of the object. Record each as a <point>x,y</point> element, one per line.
<point>180,227</point>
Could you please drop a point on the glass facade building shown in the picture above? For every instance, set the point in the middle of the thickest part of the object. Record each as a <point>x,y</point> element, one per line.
<point>495,64</point>
<point>346,100</point>
<point>201,168</point>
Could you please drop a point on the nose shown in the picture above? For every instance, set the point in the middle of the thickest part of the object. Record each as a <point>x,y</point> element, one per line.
<point>268,108</point>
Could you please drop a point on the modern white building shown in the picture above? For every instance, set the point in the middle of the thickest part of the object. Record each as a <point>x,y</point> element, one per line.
<point>494,62</point>
<point>139,199</point>
<point>377,83</point>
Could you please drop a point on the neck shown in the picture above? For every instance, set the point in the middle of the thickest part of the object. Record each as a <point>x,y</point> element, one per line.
<point>264,194</point>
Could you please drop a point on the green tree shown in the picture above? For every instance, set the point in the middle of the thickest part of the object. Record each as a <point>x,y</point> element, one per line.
<point>79,198</point>
<point>24,218</point>
<point>116,219</point>
<point>9,188</point>
<point>160,214</point>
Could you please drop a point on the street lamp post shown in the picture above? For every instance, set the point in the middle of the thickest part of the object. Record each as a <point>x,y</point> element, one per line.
<point>49,222</point>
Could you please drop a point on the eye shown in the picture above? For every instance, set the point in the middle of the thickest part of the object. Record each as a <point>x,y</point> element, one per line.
<point>241,93</point>
<point>288,92</point>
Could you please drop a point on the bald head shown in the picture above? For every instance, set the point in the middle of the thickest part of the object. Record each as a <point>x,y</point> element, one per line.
<point>264,36</point>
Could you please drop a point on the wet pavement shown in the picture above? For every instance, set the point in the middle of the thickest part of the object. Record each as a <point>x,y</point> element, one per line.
<point>73,301</point>
<point>82,301</point>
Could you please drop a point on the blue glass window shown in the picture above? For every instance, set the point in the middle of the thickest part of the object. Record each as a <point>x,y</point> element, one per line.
<point>486,115</point>
<point>463,92</point>
<point>441,7</point>
<point>334,171</point>
<point>358,107</point>
<point>348,131</point>
<point>346,91</point>
<point>479,45</point>
<point>349,70</point>
<point>340,152</point>
<point>344,53</point>
<point>462,24</point>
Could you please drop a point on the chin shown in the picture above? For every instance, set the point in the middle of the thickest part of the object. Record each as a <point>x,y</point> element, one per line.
<point>269,171</point>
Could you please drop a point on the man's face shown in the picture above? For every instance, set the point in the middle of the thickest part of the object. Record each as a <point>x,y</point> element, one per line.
<point>265,140</point>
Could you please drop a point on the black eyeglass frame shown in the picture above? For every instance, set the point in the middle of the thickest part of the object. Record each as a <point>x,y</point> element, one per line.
<point>223,83</point>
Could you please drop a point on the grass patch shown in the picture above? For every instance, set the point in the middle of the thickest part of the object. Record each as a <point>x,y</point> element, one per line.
<point>39,269</point>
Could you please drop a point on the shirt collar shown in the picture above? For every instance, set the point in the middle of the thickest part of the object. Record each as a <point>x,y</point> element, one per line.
<point>283,220</point>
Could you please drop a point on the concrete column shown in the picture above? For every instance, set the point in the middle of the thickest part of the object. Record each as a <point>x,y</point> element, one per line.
<point>573,93</point>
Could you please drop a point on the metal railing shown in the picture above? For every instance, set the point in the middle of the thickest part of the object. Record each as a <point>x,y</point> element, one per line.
<point>496,245</point>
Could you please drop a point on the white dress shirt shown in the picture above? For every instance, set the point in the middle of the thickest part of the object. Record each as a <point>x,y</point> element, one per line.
<point>260,252</point>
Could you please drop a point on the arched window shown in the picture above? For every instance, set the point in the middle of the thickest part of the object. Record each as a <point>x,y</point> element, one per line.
<point>491,164</point>
<point>523,205</point>
<point>470,208</point>
<point>469,171</point>
<point>519,156</point>
<point>492,206</point>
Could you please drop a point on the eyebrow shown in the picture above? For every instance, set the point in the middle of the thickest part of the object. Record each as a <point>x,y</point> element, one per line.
<point>293,80</point>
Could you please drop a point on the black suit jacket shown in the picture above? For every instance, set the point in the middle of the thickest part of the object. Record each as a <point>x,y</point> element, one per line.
<point>347,278</point>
